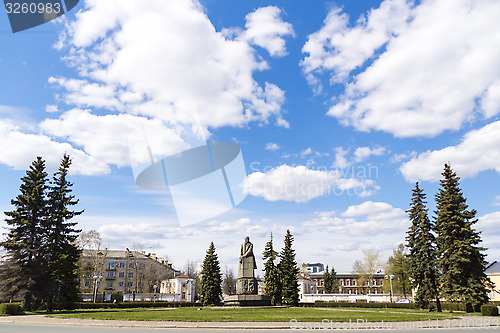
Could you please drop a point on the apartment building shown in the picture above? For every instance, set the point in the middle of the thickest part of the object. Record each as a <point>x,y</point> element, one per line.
<point>180,288</point>
<point>106,272</point>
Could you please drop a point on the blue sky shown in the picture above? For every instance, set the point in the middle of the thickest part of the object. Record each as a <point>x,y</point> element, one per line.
<point>338,107</point>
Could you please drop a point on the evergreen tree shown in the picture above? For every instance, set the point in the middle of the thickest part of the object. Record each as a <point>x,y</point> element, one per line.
<point>211,278</point>
<point>62,252</point>
<point>330,283</point>
<point>272,278</point>
<point>289,270</point>
<point>24,272</point>
<point>460,259</point>
<point>398,265</point>
<point>327,282</point>
<point>422,257</point>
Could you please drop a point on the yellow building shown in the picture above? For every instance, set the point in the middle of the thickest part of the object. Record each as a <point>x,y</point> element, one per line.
<point>493,272</point>
<point>106,272</point>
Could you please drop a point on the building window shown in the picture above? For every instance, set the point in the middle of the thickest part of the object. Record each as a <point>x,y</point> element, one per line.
<point>348,282</point>
<point>111,265</point>
<point>122,265</point>
<point>341,282</point>
<point>120,284</point>
<point>87,284</point>
<point>131,265</point>
<point>183,285</point>
<point>111,275</point>
<point>130,275</point>
<point>183,295</point>
<point>354,282</point>
<point>142,266</point>
<point>121,274</point>
<point>109,285</point>
<point>130,284</point>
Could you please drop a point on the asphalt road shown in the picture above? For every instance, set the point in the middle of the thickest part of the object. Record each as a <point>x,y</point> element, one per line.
<point>18,328</point>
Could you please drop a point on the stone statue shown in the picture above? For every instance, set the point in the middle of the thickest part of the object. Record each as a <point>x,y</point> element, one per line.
<point>247,284</point>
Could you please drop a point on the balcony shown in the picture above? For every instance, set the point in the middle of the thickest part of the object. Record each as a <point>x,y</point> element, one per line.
<point>110,277</point>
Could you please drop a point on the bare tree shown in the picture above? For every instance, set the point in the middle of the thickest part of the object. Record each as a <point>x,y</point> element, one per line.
<point>229,283</point>
<point>191,269</point>
<point>366,270</point>
<point>89,240</point>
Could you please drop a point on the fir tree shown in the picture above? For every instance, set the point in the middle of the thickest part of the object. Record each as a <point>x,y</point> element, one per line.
<point>327,281</point>
<point>335,282</point>
<point>272,278</point>
<point>289,270</point>
<point>62,251</point>
<point>460,259</point>
<point>211,278</point>
<point>24,272</point>
<point>422,257</point>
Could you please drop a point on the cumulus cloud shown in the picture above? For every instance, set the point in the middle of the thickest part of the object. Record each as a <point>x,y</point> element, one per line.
<point>362,153</point>
<point>431,67</point>
<point>369,218</point>
<point>478,151</point>
<point>265,28</point>
<point>161,56</point>
<point>300,184</point>
<point>20,147</point>
<point>272,146</point>
<point>340,158</point>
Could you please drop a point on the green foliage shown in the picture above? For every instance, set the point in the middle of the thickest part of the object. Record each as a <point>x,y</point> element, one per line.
<point>398,265</point>
<point>10,309</point>
<point>330,283</point>
<point>288,269</point>
<point>41,256</point>
<point>422,256</point>
<point>460,259</point>
<point>272,277</point>
<point>323,304</point>
<point>211,278</point>
<point>489,310</point>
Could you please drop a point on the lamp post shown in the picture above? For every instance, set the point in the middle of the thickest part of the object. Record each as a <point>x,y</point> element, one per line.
<point>391,277</point>
<point>154,296</point>
<point>96,286</point>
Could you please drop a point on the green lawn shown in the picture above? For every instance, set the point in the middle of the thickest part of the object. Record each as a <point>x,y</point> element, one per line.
<point>269,315</point>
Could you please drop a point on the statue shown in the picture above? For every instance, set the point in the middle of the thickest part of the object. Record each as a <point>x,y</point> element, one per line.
<point>247,284</point>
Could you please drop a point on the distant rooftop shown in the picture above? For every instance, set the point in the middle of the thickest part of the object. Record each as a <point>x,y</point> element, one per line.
<point>493,268</point>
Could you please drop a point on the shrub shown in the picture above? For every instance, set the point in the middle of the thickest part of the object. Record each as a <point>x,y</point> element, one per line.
<point>489,310</point>
<point>323,304</point>
<point>126,305</point>
<point>10,309</point>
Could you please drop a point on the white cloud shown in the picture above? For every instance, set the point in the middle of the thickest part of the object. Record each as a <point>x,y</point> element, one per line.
<point>367,219</point>
<point>496,202</point>
<point>478,151</point>
<point>19,148</point>
<point>306,152</point>
<point>51,108</point>
<point>436,67</point>
<point>338,48</point>
<point>272,146</point>
<point>301,184</point>
<point>161,57</point>
<point>363,153</point>
<point>489,224</point>
<point>340,158</point>
<point>266,29</point>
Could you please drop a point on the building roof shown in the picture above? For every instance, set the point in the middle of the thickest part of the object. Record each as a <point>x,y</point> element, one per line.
<point>493,268</point>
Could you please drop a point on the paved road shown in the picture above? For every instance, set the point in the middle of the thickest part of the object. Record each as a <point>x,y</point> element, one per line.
<point>21,328</point>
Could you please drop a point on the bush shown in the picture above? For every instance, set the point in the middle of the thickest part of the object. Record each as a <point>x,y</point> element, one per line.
<point>489,310</point>
<point>10,309</point>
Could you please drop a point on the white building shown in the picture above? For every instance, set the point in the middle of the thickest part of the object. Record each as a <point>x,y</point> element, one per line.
<point>306,286</point>
<point>178,289</point>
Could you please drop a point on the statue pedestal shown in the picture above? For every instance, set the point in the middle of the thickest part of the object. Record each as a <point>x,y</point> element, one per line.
<point>247,300</point>
<point>246,286</point>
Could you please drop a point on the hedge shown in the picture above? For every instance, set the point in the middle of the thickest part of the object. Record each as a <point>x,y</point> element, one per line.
<point>455,306</point>
<point>489,310</point>
<point>323,304</point>
<point>127,305</point>
<point>11,309</point>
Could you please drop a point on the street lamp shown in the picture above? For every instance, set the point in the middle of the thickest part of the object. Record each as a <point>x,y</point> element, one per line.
<point>391,277</point>
<point>96,286</point>
<point>154,296</point>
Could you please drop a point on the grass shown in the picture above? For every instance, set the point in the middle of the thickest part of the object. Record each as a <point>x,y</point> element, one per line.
<point>254,315</point>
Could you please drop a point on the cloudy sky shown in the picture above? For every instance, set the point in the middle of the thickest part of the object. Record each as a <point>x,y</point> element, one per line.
<point>339,107</point>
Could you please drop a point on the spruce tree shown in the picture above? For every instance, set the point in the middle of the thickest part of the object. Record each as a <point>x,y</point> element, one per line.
<point>422,257</point>
<point>62,251</point>
<point>327,281</point>
<point>460,259</point>
<point>25,271</point>
<point>272,278</point>
<point>211,278</point>
<point>335,282</point>
<point>289,270</point>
